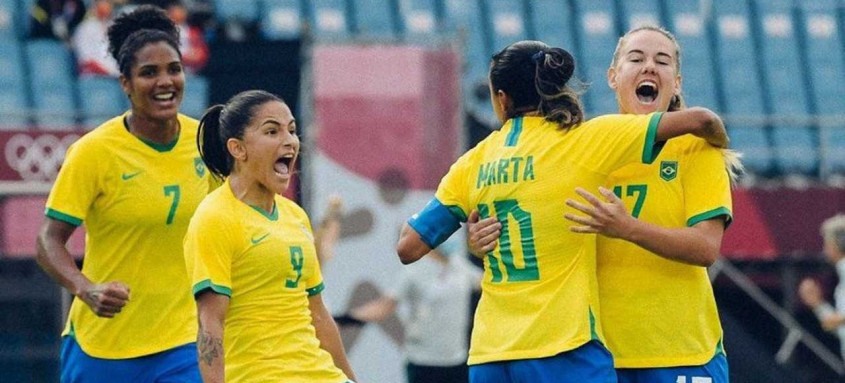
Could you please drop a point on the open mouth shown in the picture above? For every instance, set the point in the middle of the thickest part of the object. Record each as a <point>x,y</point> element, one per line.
<point>647,92</point>
<point>283,165</point>
<point>165,97</point>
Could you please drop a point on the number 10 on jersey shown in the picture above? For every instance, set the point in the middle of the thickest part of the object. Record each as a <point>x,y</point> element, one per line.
<point>507,212</point>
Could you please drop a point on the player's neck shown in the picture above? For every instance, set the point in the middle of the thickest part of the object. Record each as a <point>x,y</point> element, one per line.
<point>160,132</point>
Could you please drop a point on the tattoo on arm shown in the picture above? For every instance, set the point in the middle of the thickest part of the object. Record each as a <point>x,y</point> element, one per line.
<point>210,347</point>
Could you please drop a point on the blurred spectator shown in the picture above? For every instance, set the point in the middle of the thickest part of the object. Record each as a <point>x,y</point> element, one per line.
<point>55,19</point>
<point>90,43</point>
<point>436,291</point>
<point>191,36</point>
<point>832,318</point>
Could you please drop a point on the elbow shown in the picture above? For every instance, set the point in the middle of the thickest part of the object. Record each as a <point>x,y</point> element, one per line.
<point>407,254</point>
<point>708,257</point>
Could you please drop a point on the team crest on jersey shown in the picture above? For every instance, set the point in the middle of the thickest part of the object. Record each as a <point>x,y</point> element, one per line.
<point>668,170</point>
<point>199,167</point>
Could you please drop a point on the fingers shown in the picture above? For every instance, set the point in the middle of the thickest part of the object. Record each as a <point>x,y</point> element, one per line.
<point>484,235</point>
<point>473,217</point>
<point>590,197</point>
<point>107,299</point>
<point>581,207</point>
<point>609,195</point>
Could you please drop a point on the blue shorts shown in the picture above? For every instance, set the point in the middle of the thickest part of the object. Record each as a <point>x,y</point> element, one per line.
<point>590,363</point>
<point>715,371</point>
<point>177,365</point>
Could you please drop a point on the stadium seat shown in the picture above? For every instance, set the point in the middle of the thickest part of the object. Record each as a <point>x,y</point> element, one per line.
<point>375,19</point>
<point>100,98</point>
<point>329,19</point>
<point>598,35</point>
<point>552,22</point>
<point>740,81</point>
<point>640,12</point>
<point>821,38</point>
<point>506,22</point>
<point>9,20</point>
<point>13,87</point>
<point>697,62</point>
<point>794,141</point>
<point>281,19</point>
<point>52,81</point>
<point>418,19</point>
<point>195,99</point>
<point>243,11</point>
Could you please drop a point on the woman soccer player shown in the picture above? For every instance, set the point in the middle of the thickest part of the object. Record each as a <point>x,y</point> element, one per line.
<point>537,319</point>
<point>250,253</point>
<point>135,182</point>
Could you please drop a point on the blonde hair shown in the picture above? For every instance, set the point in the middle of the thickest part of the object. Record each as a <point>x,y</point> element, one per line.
<point>677,102</point>
<point>733,164</point>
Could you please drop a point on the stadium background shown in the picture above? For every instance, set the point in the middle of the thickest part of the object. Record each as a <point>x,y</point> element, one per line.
<point>389,92</point>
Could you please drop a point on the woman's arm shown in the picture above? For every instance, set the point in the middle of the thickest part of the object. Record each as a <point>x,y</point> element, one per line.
<point>328,334</point>
<point>411,246</point>
<point>698,121</point>
<point>211,310</point>
<point>696,245</point>
<point>105,299</point>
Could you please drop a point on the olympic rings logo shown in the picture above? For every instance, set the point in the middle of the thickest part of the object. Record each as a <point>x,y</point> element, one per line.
<point>37,158</point>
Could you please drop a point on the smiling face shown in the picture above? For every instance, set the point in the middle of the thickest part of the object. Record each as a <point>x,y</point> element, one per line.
<point>645,74</point>
<point>157,82</point>
<point>269,147</point>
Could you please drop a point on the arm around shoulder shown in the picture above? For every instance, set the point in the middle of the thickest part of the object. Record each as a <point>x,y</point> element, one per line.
<point>698,121</point>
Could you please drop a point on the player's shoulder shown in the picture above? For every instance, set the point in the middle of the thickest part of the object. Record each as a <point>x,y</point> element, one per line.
<point>188,125</point>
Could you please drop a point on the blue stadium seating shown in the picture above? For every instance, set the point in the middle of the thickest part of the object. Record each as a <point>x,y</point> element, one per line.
<point>13,87</point>
<point>699,77</point>
<point>195,99</point>
<point>822,40</point>
<point>237,10</point>
<point>53,83</point>
<point>506,22</point>
<point>375,19</point>
<point>598,35</point>
<point>281,19</point>
<point>329,19</point>
<point>740,80</point>
<point>9,19</point>
<point>418,19</point>
<point>794,142</point>
<point>100,98</point>
<point>552,22</point>
<point>637,13</point>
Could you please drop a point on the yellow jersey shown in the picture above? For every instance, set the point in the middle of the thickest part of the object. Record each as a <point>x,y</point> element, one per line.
<point>267,265</point>
<point>657,312</point>
<point>539,294</point>
<point>135,199</point>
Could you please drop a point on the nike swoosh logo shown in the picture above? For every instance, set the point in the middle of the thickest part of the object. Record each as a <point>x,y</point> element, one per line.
<point>129,176</point>
<point>255,240</point>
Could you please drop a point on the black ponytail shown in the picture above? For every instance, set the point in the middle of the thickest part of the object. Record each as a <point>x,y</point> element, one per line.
<point>211,145</point>
<point>535,76</point>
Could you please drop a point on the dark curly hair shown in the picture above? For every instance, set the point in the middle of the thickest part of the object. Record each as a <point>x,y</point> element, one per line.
<point>132,31</point>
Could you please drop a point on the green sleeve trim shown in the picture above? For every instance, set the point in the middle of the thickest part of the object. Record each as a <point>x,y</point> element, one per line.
<point>59,216</point>
<point>207,285</point>
<point>710,215</point>
<point>652,149</point>
<point>457,212</point>
<point>316,289</point>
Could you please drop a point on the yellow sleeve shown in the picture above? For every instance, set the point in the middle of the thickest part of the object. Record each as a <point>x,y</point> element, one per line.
<point>209,248</point>
<point>453,191</point>
<point>77,185</point>
<point>707,188</point>
<point>314,278</point>
<point>611,141</point>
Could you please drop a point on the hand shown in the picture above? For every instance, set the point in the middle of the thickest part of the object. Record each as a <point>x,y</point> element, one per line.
<point>106,299</point>
<point>832,322</point>
<point>609,217</point>
<point>810,293</point>
<point>335,206</point>
<point>483,234</point>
